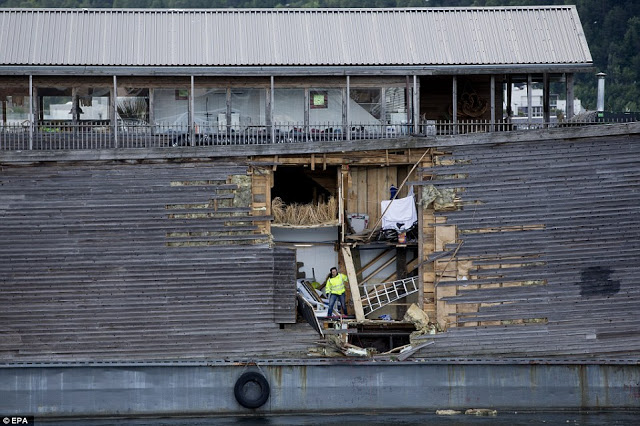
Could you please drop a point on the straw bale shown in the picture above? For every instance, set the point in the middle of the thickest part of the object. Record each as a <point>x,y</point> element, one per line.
<point>304,214</point>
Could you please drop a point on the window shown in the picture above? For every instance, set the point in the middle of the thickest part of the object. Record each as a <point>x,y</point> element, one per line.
<point>93,103</point>
<point>288,106</point>
<point>325,107</point>
<point>210,109</point>
<point>55,103</point>
<point>365,106</point>
<point>250,107</point>
<point>168,112</point>
<point>14,107</point>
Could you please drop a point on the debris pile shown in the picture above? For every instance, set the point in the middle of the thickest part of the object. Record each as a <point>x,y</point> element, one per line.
<point>421,321</point>
<point>334,345</point>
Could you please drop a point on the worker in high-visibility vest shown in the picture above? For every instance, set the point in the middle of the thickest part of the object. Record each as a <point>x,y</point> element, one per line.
<point>335,289</point>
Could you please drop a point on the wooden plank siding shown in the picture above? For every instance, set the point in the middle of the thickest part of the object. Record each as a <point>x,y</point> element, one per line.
<point>368,186</point>
<point>140,261</point>
<point>548,264</point>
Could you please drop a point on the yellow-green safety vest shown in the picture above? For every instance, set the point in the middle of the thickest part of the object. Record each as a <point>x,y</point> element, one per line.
<point>335,285</point>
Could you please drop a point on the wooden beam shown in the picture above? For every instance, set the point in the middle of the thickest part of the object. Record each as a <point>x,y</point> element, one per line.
<point>546,105</point>
<point>378,257</point>
<point>401,262</point>
<point>529,98</point>
<point>410,266</point>
<point>569,88</point>
<point>493,102</point>
<point>384,265</point>
<point>357,264</point>
<point>353,283</point>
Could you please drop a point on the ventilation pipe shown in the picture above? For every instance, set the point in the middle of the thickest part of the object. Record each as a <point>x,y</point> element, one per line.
<point>600,104</point>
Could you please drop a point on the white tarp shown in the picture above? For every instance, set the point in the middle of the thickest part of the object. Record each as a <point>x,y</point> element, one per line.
<point>401,215</point>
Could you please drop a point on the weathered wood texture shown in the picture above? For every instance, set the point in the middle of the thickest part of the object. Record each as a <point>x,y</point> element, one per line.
<point>140,261</point>
<point>551,241</point>
<point>368,186</point>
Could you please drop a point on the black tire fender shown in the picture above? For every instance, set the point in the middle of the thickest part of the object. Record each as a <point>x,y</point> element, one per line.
<point>251,390</point>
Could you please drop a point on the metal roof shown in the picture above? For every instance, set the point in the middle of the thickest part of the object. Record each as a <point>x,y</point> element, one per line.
<point>496,36</point>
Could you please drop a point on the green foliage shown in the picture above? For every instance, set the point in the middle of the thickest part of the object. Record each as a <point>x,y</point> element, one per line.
<point>612,29</point>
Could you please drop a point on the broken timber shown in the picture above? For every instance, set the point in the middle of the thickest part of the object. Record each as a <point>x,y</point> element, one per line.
<point>353,283</point>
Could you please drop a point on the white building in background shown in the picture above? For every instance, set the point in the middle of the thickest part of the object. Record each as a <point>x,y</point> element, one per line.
<point>520,104</point>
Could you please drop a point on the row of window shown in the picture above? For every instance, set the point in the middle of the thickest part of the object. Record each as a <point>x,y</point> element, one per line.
<point>213,108</point>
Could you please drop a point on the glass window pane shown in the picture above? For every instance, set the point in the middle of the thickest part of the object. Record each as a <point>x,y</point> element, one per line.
<point>210,109</point>
<point>325,107</point>
<point>132,105</point>
<point>250,107</point>
<point>171,108</point>
<point>94,103</point>
<point>14,108</point>
<point>365,106</point>
<point>288,106</point>
<point>55,103</point>
<point>395,106</point>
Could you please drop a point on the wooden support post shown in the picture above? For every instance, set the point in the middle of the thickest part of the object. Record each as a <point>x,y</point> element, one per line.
<point>270,105</point>
<point>313,161</point>
<point>493,103</point>
<point>546,105</point>
<point>191,113</point>
<point>454,100</point>
<point>353,283</point>
<point>32,111</point>
<point>401,262</point>
<point>113,114</point>
<point>529,98</point>
<point>509,93</point>
<point>569,88</point>
<point>401,272</point>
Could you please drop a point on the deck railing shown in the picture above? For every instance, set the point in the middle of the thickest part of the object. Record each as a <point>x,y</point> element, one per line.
<point>137,135</point>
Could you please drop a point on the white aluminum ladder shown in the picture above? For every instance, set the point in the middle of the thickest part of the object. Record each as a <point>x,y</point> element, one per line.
<point>375,296</point>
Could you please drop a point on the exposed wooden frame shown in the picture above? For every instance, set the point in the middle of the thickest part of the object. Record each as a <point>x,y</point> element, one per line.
<point>529,98</point>
<point>353,283</point>
<point>569,88</point>
<point>270,108</point>
<point>31,115</point>
<point>454,100</point>
<point>347,130</point>
<point>546,105</point>
<point>372,262</point>
<point>114,110</point>
<point>493,102</point>
<point>190,114</point>
<point>380,268</point>
<point>509,95</point>
<point>416,105</point>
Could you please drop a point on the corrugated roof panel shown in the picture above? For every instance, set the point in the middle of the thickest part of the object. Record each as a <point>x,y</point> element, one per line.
<point>293,37</point>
